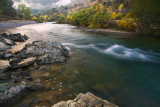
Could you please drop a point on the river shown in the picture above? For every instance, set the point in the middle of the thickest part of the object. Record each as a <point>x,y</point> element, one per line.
<point>123,70</point>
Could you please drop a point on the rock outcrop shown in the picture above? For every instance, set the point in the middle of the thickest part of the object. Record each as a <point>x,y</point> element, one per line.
<point>7,41</point>
<point>85,100</point>
<point>15,37</point>
<point>15,81</point>
<point>46,52</point>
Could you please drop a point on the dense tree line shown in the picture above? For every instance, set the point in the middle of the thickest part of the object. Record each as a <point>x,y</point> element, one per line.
<point>141,17</point>
<point>6,8</point>
<point>147,16</point>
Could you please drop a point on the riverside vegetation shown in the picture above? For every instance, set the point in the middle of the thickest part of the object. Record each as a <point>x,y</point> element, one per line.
<point>126,15</point>
<point>135,16</point>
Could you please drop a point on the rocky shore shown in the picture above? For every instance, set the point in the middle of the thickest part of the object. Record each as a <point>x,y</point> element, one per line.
<point>16,81</point>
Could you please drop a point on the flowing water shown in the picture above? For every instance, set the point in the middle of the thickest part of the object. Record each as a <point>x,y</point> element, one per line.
<point>123,70</point>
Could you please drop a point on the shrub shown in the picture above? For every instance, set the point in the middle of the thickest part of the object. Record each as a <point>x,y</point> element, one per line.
<point>119,16</point>
<point>34,18</point>
<point>126,24</point>
<point>61,19</point>
<point>40,19</point>
<point>113,15</point>
<point>1,11</point>
<point>50,18</point>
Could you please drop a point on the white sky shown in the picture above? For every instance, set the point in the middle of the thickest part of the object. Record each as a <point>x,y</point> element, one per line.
<point>41,4</point>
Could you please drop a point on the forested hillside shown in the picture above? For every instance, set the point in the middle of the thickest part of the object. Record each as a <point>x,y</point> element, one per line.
<point>6,9</point>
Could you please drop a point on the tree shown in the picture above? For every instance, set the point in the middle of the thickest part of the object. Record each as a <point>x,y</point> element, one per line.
<point>147,16</point>
<point>6,8</point>
<point>61,19</point>
<point>25,11</point>
<point>40,19</point>
<point>44,18</point>
<point>34,18</point>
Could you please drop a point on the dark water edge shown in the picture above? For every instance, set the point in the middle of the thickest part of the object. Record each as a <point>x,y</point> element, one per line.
<point>123,70</point>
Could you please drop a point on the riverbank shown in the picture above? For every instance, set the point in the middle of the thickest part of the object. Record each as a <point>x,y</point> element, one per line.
<point>107,31</point>
<point>5,25</point>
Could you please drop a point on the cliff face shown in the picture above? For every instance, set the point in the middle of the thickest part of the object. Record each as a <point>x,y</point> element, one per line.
<point>85,100</point>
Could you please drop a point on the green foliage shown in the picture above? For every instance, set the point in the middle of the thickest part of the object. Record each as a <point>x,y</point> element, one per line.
<point>120,16</point>
<point>61,19</point>
<point>25,11</point>
<point>50,18</point>
<point>34,18</point>
<point>120,8</point>
<point>95,16</point>
<point>147,16</point>
<point>6,8</point>
<point>44,18</point>
<point>126,24</point>
<point>1,11</point>
<point>114,15</point>
<point>40,20</point>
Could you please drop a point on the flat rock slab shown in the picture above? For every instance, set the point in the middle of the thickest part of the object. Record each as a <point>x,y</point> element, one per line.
<point>23,63</point>
<point>4,65</point>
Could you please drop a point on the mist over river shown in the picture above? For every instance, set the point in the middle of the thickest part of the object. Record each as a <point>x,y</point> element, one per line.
<point>123,70</point>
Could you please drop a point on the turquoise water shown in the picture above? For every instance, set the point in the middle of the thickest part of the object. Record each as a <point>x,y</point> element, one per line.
<point>123,70</point>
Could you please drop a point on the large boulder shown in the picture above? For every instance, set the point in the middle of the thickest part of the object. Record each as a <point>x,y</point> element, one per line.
<point>85,100</point>
<point>46,52</point>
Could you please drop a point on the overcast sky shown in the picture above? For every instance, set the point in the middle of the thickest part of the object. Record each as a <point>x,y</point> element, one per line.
<point>41,4</point>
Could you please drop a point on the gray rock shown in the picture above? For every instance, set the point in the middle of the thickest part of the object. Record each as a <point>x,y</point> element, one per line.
<point>15,37</point>
<point>12,92</point>
<point>5,45</point>
<point>7,56</point>
<point>85,100</point>
<point>46,52</point>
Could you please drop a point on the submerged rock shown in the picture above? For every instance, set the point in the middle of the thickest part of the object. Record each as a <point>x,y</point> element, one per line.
<point>85,100</point>
<point>44,68</point>
<point>46,52</point>
<point>36,85</point>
